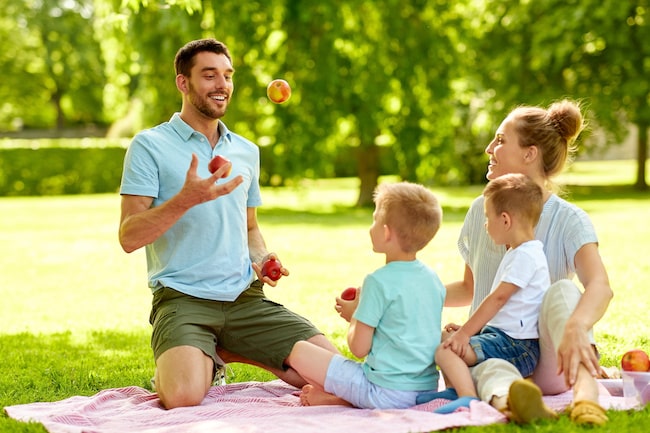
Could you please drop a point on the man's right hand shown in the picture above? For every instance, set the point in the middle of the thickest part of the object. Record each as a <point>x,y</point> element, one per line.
<point>197,190</point>
<point>141,224</point>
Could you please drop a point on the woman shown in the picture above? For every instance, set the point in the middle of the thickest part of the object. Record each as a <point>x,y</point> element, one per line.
<point>537,142</point>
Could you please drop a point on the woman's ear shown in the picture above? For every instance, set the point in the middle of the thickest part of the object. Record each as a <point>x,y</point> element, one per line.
<point>531,153</point>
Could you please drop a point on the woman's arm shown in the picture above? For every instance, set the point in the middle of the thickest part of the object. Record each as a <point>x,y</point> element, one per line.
<point>460,293</point>
<point>575,348</point>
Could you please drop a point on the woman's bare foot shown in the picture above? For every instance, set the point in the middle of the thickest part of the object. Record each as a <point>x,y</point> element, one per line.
<point>311,396</point>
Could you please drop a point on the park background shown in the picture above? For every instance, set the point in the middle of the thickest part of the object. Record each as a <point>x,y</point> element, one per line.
<point>382,91</point>
<point>411,88</point>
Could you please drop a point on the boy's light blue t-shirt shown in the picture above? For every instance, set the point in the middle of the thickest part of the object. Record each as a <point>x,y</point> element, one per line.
<point>205,253</point>
<point>403,301</point>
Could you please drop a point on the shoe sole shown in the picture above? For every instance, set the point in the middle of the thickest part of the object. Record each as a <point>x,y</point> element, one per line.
<point>526,404</point>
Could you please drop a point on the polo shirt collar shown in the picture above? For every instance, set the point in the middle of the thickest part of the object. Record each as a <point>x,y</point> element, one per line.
<point>186,131</point>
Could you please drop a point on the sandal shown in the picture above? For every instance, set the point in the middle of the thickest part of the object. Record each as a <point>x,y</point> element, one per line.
<point>587,412</point>
<point>525,403</point>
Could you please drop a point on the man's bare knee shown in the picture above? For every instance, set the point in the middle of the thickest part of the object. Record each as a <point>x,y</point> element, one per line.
<point>180,396</point>
<point>183,376</point>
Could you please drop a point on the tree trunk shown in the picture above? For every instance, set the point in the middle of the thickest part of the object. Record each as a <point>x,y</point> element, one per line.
<point>60,115</point>
<point>368,170</point>
<point>641,156</point>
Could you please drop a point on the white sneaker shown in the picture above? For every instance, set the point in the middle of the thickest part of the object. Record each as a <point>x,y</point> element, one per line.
<point>221,375</point>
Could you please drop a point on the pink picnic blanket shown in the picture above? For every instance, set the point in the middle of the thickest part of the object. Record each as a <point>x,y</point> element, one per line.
<point>252,407</point>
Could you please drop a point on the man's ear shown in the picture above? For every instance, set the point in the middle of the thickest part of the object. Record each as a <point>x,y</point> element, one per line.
<point>181,83</point>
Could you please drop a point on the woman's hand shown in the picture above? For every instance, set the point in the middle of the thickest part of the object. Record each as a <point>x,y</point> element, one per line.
<point>575,349</point>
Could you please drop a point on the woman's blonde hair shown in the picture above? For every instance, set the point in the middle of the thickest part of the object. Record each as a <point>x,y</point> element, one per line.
<point>552,130</point>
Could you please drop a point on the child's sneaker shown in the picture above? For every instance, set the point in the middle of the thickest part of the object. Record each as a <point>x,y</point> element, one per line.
<point>525,403</point>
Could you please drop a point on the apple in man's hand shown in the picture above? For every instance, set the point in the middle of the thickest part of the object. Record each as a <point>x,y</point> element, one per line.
<point>272,269</point>
<point>349,294</point>
<point>278,91</point>
<point>216,163</point>
<point>635,360</point>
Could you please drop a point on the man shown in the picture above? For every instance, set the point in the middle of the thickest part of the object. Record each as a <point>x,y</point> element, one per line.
<point>203,244</point>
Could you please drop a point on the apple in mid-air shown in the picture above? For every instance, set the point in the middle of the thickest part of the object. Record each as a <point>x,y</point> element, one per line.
<point>635,360</point>
<point>278,91</point>
<point>349,294</point>
<point>216,163</point>
<point>272,268</point>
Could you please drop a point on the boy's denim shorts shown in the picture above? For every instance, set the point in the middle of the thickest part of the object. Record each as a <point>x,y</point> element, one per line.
<point>494,343</point>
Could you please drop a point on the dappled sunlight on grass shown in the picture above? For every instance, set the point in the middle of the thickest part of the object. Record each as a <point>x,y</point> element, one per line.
<point>64,270</point>
<point>75,307</point>
<point>621,172</point>
<point>60,365</point>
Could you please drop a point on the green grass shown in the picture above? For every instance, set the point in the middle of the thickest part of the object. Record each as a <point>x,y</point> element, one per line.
<point>74,307</point>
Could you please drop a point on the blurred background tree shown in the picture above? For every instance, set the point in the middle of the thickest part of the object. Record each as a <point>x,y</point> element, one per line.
<point>596,51</point>
<point>414,88</point>
<point>53,75</point>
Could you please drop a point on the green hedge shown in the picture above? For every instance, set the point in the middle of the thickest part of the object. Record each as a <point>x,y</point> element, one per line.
<point>53,171</point>
<point>94,165</point>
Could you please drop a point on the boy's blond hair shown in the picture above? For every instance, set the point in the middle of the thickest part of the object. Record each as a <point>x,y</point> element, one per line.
<point>516,194</point>
<point>411,211</point>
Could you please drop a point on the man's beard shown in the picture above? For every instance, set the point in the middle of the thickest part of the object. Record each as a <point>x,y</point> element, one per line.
<point>204,106</point>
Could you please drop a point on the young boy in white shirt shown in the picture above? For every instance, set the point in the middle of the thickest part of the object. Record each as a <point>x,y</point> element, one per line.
<point>505,324</point>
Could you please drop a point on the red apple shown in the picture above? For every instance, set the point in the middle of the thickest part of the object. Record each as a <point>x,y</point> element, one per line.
<point>278,91</point>
<point>349,294</point>
<point>635,360</point>
<point>272,269</point>
<point>216,163</point>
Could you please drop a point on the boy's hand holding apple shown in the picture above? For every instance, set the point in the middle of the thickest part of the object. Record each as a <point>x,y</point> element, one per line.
<point>347,302</point>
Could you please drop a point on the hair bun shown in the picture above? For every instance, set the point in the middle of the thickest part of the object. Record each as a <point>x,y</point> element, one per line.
<point>566,118</point>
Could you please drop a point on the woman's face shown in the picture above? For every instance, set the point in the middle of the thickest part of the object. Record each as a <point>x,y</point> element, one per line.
<point>506,155</point>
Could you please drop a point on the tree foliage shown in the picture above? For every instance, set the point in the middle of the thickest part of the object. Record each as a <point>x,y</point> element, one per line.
<point>593,50</point>
<point>52,62</point>
<point>422,82</point>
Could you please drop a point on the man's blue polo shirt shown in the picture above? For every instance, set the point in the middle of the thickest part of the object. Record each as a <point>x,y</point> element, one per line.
<point>205,253</point>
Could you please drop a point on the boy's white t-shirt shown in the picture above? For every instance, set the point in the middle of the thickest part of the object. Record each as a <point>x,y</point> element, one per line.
<point>563,228</point>
<point>526,268</point>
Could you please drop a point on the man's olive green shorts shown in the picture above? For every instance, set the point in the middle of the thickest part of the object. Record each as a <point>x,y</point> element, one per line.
<point>252,325</point>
